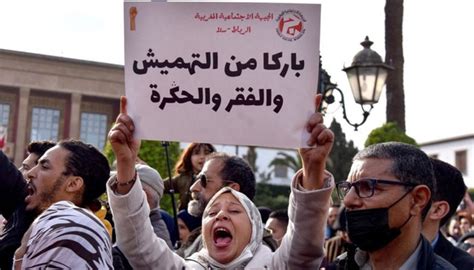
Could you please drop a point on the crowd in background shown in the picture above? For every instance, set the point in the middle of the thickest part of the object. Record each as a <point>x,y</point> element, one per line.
<point>54,212</point>
<point>460,228</point>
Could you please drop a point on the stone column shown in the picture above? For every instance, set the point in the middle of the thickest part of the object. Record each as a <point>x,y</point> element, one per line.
<point>75,117</point>
<point>21,140</point>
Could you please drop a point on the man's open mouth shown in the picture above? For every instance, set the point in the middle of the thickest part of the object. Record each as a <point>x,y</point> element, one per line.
<point>30,189</point>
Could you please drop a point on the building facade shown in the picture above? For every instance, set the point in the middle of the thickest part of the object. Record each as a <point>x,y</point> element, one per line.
<point>53,98</point>
<point>457,151</point>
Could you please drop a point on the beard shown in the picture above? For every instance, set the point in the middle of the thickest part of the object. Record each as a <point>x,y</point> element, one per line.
<point>196,206</point>
<point>49,197</point>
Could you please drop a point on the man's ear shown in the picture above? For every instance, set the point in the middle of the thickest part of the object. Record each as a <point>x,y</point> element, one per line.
<point>74,184</point>
<point>421,196</point>
<point>234,186</point>
<point>438,210</point>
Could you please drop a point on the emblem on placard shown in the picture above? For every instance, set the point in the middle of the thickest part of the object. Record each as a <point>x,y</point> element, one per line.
<point>133,14</point>
<point>291,25</point>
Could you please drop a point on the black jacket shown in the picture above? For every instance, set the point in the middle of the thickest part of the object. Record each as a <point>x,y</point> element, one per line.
<point>12,187</point>
<point>12,206</point>
<point>427,260</point>
<point>456,256</point>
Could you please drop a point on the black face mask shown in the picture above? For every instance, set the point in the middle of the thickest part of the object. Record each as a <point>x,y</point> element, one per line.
<point>369,229</point>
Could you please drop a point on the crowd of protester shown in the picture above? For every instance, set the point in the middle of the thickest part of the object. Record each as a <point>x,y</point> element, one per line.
<point>398,209</point>
<point>460,227</point>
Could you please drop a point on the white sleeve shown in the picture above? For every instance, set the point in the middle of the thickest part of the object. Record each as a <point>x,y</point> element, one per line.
<point>135,235</point>
<point>302,246</point>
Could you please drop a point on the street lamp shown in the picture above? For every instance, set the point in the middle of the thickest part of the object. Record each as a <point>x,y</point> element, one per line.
<point>367,76</point>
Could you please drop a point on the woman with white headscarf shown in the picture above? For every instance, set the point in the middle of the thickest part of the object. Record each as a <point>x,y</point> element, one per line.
<point>232,232</point>
<point>231,223</point>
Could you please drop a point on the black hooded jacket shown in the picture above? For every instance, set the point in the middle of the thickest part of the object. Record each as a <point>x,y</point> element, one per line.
<point>12,207</point>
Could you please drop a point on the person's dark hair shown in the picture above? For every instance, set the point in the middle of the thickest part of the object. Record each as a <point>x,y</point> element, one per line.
<point>236,169</point>
<point>39,147</point>
<point>450,186</point>
<point>86,161</point>
<point>280,215</point>
<point>410,164</point>
<point>184,164</point>
<point>264,213</point>
<point>191,222</point>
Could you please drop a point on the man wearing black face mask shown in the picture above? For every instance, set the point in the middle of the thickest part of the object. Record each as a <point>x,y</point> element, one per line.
<point>387,196</point>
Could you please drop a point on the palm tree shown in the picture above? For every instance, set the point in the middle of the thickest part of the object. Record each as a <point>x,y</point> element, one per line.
<point>290,161</point>
<point>285,159</point>
<point>251,157</point>
<point>394,54</point>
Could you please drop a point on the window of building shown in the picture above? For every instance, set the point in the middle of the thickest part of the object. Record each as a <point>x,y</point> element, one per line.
<point>461,160</point>
<point>4,114</point>
<point>44,124</point>
<point>94,129</point>
<point>281,171</point>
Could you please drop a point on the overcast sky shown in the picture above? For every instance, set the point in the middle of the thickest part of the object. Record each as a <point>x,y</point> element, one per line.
<point>438,49</point>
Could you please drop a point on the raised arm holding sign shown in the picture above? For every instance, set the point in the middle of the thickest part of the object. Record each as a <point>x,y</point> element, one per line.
<point>252,70</point>
<point>227,244</point>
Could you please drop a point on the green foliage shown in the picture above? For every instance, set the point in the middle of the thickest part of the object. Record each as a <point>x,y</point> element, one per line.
<point>153,153</point>
<point>341,154</point>
<point>272,196</point>
<point>388,132</point>
<point>471,193</point>
<point>109,154</point>
<point>166,203</point>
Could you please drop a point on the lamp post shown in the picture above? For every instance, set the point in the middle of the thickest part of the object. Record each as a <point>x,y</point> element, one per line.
<point>367,76</point>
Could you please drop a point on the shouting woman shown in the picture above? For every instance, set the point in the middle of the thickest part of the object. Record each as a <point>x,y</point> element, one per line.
<point>231,222</point>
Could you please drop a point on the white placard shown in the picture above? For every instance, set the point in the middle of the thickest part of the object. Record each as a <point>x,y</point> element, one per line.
<point>223,73</point>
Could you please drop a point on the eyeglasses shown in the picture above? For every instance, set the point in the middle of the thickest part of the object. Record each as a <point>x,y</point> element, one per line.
<point>365,187</point>
<point>202,180</point>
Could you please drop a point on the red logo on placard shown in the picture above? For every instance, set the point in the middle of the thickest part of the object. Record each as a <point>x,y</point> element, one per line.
<point>291,25</point>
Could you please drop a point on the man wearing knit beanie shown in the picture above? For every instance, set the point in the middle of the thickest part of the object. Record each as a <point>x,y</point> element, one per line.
<point>152,184</point>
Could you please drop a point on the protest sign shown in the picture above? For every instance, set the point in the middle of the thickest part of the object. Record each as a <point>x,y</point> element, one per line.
<point>226,73</point>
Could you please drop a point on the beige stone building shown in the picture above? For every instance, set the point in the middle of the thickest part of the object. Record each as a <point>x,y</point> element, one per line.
<point>53,98</point>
